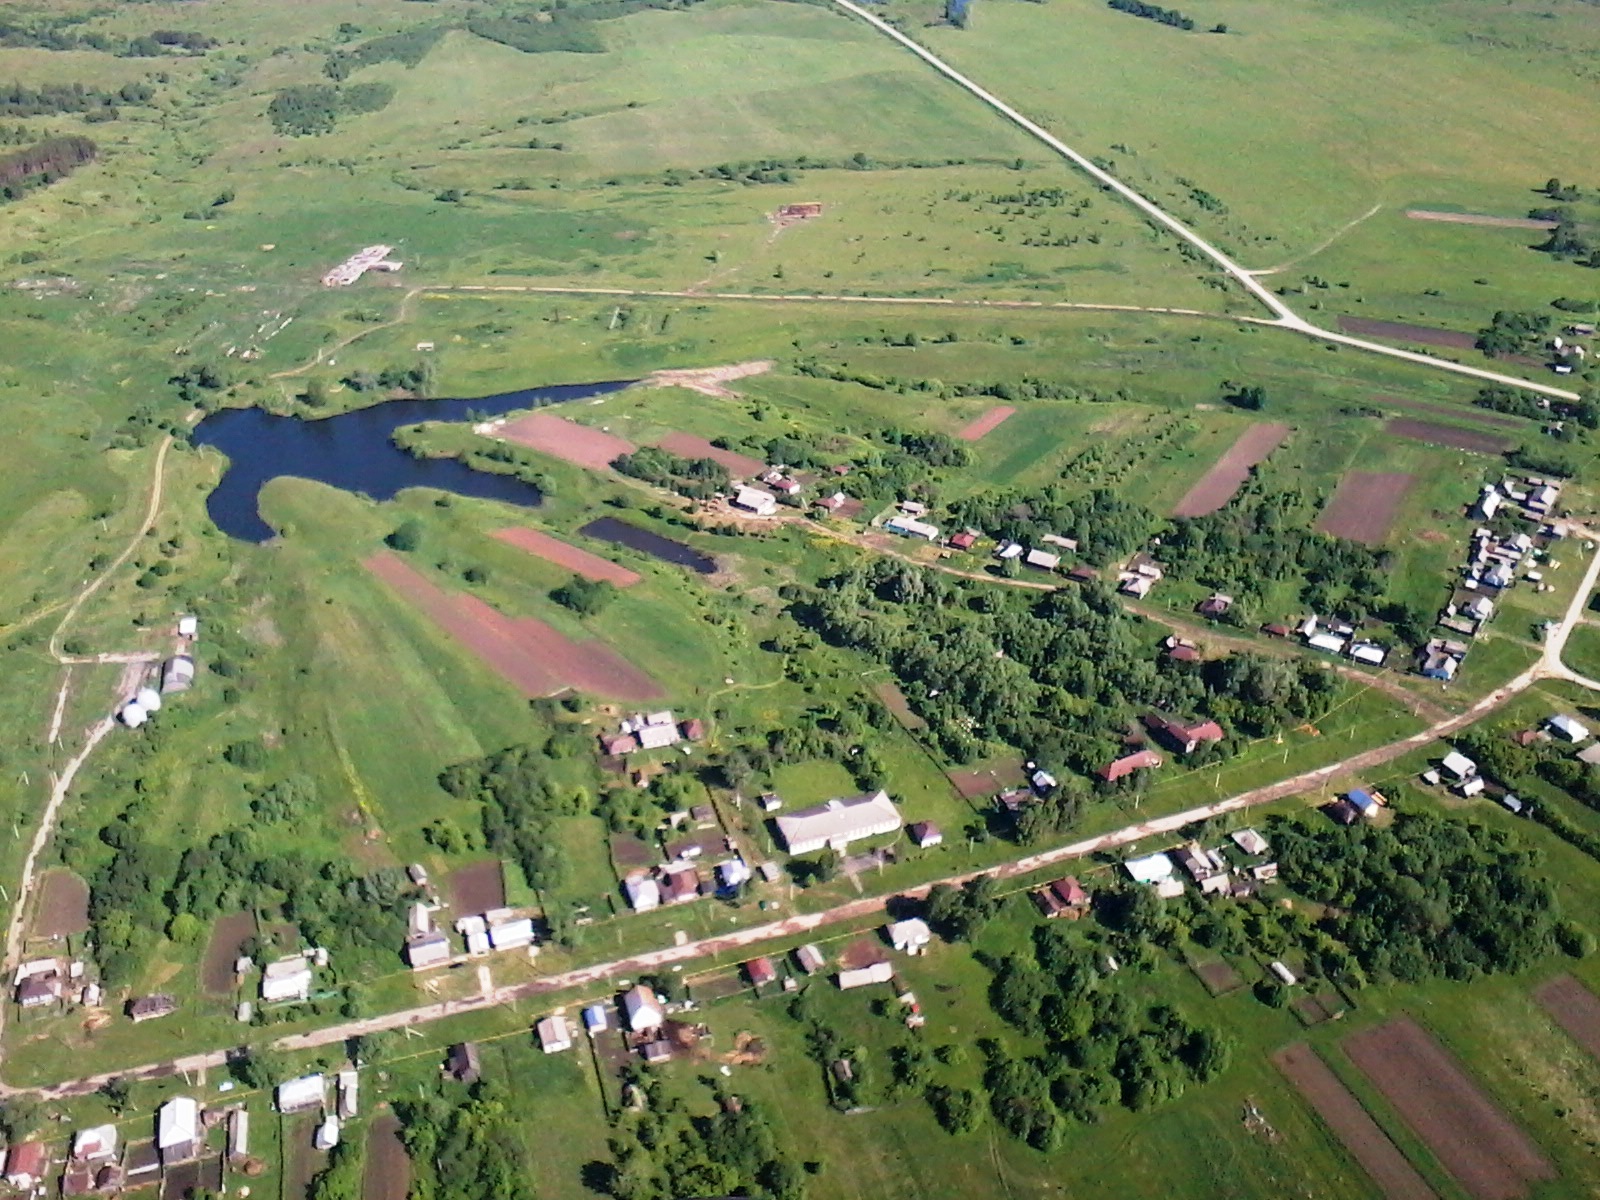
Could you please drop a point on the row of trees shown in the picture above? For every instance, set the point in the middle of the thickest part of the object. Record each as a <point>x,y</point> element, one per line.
<point>17,100</point>
<point>1153,12</point>
<point>314,108</point>
<point>1585,411</point>
<point>697,478</point>
<point>59,35</point>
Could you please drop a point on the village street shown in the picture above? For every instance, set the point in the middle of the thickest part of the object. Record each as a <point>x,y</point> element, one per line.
<point>1549,666</point>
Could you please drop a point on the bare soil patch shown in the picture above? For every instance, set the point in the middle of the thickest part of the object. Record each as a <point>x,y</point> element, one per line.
<point>862,952</point>
<point>532,656</point>
<point>895,701</point>
<point>1468,1133</point>
<point>1475,440</point>
<point>228,937</point>
<point>1218,976</point>
<point>1217,486</point>
<point>709,381</point>
<point>566,440</point>
<point>387,1173</point>
<point>477,887</point>
<point>1477,416</point>
<point>1400,331</point>
<point>1342,1113</point>
<point>1324,1006</point>
<point>63,905</point>
<point>987,779</point>
<point>988,423</point>
<point>687,445</point>
<point>567,556</point>
<point>1364,505</point>
<point>305,1160</point>
<point>1573,1007</point>
<point>1455,218</point>
<point>629,852</point>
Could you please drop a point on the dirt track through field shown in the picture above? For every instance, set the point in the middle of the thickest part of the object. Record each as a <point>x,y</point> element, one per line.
<point>988,423</point>
<point>1364,505</point>
<point>566,440</point>
<point>1475,440</point>
<point>1228,473</point>
<point>687,445</point>
<point>535,658</point>
<point>1455,218</point>
<point>1573,1007</point>
<point>1468,1133</point>
<point>1357,1132</point>
<point>567,556</point>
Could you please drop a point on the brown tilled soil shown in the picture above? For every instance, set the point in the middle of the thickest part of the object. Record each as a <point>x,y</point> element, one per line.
<point>1364,505</point>
<point>988,423</point>
<point>63,905</point>
<point>1454,218</point>
<point>628,851</point>
<point>1474,440</point>
<point>687,445</point>
<point>567,556</point>
<point>862,952</point>
<point>1342,1113</point>
<point>1228,473</point>
<point>1399,331</point>
<point>477,887</point>
<point>1218,977</point>
<point>526,652</point>
<point>564,439</point>
<point>1478,416</point>
<point>895,701</point>
<point>1573,1007</point>
<point>1468,1133</point>
<point>987,779</point>
<point>387,1173</point>
<point>228,937</point>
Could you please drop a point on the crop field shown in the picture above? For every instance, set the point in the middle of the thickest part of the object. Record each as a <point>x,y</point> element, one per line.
<point>567,556</point>
<point>1573,1007</point>
<point>1475,1139</point>
<point>63,909</point>
<point>1364,506</point>
<point>1228,473</point>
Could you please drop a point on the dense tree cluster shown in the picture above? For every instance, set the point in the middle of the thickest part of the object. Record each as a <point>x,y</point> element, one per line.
<point>1102,1048</point>
<point>1058,675</point>
<point>60,35</point>
<point>1585,411</point>
<point>1568,238</point>
<point>47,99</point>
<point>1427,896</point>
<point>697,478</point>
<point>586,597</point>
<point>664,1152</point>
<point>1153,12</point>
<point>467,1150</point>
<point>313,108</point>
<point>42,164</point>
<point>1105,526</point>
<point>1511,332</point>
<point>521,804</point>
<point>415,380</point>
<point>408,48</point>
<point>142,886</point>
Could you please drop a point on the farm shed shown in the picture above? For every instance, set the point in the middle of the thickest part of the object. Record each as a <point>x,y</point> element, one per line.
<point>1043,559</point>
<point>1128,764</point>
<point>461,1061</point>
<point>810,959</point>
<point>838,822</point>
<point>1471,787</point>
<point>509,935</point>
<point>429,950</point>
<point>1364,802</point>
<point>286,979</point>
<point>148,1008</point>
<point>912,528</point>
<point>1369,653</point>
<point>349,1094</point>
<point>1328,643</point>
<point>1285,976</point>
<point>554,1036</point>
<point>1458,765</point>
<point>595,1020</point>
<point>239,1134</point>
<point>763,504</point>
<point>177,674</point>
<point>925,834</point>
<point>297,1095</point>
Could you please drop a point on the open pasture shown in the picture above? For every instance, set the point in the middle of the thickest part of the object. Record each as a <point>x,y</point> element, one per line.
<point>1357,1132</point>
<point>1217,486</point>
<point>1364,506</point>
<point>526,652</point>
<point>567,556</point>
<point>1471,1135</point>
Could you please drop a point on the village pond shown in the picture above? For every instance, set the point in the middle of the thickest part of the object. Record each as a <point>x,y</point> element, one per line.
<point>620,533</point>
<point>355,451</point>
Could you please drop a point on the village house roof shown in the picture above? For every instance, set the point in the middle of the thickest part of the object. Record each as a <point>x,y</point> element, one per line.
<point>838,822</point>
<point>26,1162</point>
<point>925,834</point>
<point>178,1124</point>
<point>1128,764</point>
<point>308,1091</point>
<point>146,1007</point>
<point>554,1035</point>
<point>760,971</point>
<point>810,959</point>
<point>964,541</point>
<point>1183,736</point>
<point>462,1062</point>
<point>1152,868</point>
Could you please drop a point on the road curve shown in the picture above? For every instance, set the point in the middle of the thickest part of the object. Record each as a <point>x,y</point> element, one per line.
<point>1285,317</point>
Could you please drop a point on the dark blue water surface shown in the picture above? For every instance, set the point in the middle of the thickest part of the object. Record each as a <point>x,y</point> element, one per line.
<point>620,533</point>
<point>356,451</point>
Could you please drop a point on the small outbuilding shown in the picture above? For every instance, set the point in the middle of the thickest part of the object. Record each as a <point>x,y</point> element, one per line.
<point>910,936</point>
<point>1567,727</point>
<point>554,1034</point>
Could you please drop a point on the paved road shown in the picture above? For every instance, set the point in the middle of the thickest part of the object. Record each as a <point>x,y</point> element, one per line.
<point>1284,316</point>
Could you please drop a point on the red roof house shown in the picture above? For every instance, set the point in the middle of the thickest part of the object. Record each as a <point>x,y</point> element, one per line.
<point>617,744</point>
<point>693,730</point>
<point>760,971</point>
<point>964,541</point>
<point>1062,898</point>
<point>1183,737</point>
<point>1128,764</point>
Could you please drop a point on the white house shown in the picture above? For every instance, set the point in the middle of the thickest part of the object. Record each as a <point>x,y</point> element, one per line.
<point>643,1010</point>
<point>1250,841</point>
<point>297,1095</point>
<point>1328,643</point>
<point>1568,728</point>
<point>1152,868</point>
<point>910,936</point>
<point>880,972</point>
<point>91,1144</point>
<point>554,1035</point>
<point>349,1094</point>
<point>1459,765</point>
<point>911,527</point>
<point>286,979</point>
<point>763,504</point>
<point>509,935</point>
<point>643,892</point>
<point>178,1129</point>
<point>594,1019</point>
<point>1043,559</point>
<point>838,822</point>
<point>1367,652</point>
<point>428,950</point>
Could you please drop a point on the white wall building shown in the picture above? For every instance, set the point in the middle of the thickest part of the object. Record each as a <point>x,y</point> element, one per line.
<point>839,822</point>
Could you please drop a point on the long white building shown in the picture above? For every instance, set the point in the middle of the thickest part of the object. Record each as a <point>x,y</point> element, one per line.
<point>837,823</point>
